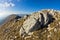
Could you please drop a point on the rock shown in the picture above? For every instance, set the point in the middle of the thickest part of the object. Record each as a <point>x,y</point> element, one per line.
<point>36,21</point>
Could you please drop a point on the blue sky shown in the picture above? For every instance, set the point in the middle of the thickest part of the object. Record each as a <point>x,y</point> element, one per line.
<point>8,7</point>
<point>35,5</point>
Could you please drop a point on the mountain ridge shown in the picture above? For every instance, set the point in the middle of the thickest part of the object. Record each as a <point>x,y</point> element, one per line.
<point>41,25</point>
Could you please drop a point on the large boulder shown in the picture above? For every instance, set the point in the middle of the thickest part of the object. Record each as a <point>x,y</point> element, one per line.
<point>35,22</point>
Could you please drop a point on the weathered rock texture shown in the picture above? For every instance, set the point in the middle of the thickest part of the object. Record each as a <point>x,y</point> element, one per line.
<point>41,25</point>
<point>36,21</point>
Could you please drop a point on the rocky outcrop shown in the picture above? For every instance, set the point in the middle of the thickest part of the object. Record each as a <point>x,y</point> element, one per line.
<point>36,21</point>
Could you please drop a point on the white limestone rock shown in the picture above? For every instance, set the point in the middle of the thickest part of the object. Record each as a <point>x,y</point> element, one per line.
<point>35,21</point>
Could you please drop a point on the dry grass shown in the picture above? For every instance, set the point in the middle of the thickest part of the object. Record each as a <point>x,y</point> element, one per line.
<point>10,31</point>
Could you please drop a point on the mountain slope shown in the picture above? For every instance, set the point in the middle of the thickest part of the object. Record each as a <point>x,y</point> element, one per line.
<point>41,25</point>
<point>4,19</point>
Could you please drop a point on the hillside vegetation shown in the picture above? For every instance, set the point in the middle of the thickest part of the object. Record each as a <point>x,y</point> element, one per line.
<point>41,25</point>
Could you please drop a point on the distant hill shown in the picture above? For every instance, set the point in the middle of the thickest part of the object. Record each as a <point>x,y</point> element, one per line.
<point>41,25</point>
<point>10,16</point>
